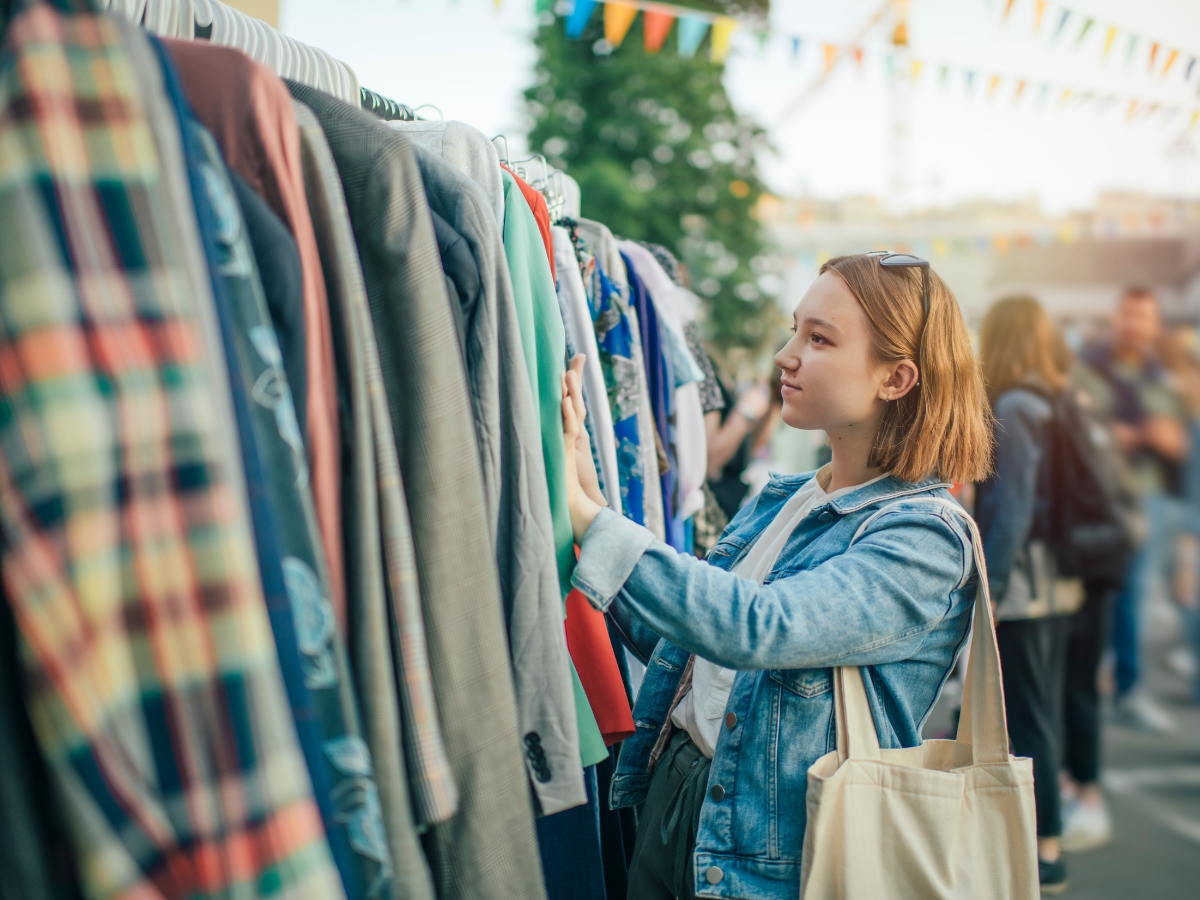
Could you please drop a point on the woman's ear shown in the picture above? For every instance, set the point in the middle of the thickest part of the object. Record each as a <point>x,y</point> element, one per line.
<point>901,377</point>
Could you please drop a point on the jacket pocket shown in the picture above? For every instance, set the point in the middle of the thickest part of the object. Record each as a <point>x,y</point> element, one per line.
<point>807,683</point>
<point>727,549</point>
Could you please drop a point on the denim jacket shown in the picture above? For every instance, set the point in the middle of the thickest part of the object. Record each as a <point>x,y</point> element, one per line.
<point>896,600</point>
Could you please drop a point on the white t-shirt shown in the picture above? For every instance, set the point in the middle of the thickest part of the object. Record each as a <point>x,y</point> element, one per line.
<point>702,708</point>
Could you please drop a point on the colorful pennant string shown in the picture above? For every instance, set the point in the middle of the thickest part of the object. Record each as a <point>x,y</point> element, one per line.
<point>691,33</point>
<point>1083,32</point>
<point>578,18</point>
<point>722,31</point>
<point>1110,37</point>
<point>831,54</point>
<point>655,28</point>
<point>617,19</point>
<point>1039,12</point>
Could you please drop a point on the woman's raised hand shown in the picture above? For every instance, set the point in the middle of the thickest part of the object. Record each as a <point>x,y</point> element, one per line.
<point>584,497</point>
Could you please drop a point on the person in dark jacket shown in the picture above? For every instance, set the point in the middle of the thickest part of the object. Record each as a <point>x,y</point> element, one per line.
<point>1021,354</point>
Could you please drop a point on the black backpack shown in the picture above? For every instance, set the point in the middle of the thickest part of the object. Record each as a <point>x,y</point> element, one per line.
<point>1091,520</point>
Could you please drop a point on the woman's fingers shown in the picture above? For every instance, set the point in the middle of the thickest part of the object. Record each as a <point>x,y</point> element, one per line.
<point>575,384</point>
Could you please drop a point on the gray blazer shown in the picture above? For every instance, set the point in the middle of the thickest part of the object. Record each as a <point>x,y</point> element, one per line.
<point>503,400</point>
<point>489,849</point>
<point>465,148</point>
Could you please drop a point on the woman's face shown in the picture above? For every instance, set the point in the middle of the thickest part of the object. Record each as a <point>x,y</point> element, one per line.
<point>831,379</point>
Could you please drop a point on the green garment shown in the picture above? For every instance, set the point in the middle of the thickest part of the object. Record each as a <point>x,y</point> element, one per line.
<point>545,345</point>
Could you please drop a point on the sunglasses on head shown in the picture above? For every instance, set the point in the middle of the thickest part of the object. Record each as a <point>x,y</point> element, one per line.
<point>907,261</point>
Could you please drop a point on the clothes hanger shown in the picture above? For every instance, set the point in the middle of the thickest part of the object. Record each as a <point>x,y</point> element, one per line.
<point>503,155</point>
<point>437,109</point>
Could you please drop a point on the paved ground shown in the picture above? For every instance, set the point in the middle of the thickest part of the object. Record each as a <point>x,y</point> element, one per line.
<point>1153,787</point>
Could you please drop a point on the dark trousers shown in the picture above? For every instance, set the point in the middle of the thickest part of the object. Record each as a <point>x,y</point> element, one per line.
<point>662,866</point>
<point>1089,631</point>
<point>1033,661</point>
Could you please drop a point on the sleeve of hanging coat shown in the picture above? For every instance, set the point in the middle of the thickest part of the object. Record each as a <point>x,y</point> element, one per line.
<point>525,552</point>
<point>491,840</point>
<point>247,109</point>
<point>385,626</point>
<point>544,345</point>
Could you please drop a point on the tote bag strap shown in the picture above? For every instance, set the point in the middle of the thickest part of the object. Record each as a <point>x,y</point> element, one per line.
<point>982,722</point>
<point>856,735</point>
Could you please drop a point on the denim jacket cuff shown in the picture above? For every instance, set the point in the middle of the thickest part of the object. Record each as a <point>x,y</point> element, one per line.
<point>611,548</point>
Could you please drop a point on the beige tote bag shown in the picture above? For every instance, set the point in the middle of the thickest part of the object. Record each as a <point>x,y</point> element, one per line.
<point>948,819</point>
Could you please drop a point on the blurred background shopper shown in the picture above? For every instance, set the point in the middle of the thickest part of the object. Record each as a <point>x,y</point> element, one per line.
<point>1021,358</point>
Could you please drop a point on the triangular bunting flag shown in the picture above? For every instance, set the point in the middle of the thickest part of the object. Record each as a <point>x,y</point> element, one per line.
<point>1195,119</point>
<point>1133,41</point>
<point>617,19</point>
<point>579,16</point>
<point>723,30</point>
<point>1039,11</point>
<point>1008,5</point>
<point>914,70</point>
<point>691,33</point>
<point>857,53</point>
<point>1153,55</point>
<point>831,52</point>
<point>1066,95</point>
<point>1042,94</point>
<point>1109,37</point>
<point>1171,57</point>
<point>1018,92</point>
<point>655,28</point>
<point>1132,111</point>
<point>1062,23</point>
<point>992,85</point>
<point>970,81</point>
<point>796,49</point>
<point>1187,75</point>
<point>1087,26</point>
<point>945,76</point>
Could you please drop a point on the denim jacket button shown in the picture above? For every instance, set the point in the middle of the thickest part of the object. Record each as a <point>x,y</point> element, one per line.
<point>713,875</point>
<point>731,720</point>
<point>826,516</point>
<point>717,793</point>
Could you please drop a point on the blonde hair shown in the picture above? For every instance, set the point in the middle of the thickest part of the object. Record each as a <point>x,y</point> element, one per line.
<point>943,426</point>
<point>1018,342</point>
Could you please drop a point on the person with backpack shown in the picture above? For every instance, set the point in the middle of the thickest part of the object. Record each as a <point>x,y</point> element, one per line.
<point>1048,514</point>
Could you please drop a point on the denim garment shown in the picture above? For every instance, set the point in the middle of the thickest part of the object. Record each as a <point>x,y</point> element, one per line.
<point>1011,507</point>
<point>285,523</point>
<point>898,603</point>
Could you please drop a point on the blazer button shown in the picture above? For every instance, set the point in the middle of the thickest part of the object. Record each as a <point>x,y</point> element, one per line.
<point>713,875</point>
<point>718,794</point>
<point>731,720</point>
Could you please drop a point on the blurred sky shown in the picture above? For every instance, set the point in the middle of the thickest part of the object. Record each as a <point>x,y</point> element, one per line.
<point>472,61</point>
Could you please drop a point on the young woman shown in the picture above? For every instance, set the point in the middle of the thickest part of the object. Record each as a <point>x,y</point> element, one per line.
<point>1020,351</point>
<point>737,701</point>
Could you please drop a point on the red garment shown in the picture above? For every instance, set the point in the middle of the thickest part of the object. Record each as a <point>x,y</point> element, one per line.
<point>249,111</point>
<point>592,652</point>
<point>541,212</point>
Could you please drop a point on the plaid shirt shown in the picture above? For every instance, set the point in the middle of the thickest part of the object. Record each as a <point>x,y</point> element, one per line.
<point>155,689</point>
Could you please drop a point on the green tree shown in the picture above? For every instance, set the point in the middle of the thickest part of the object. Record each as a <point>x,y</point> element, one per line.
<point>660,155</point>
